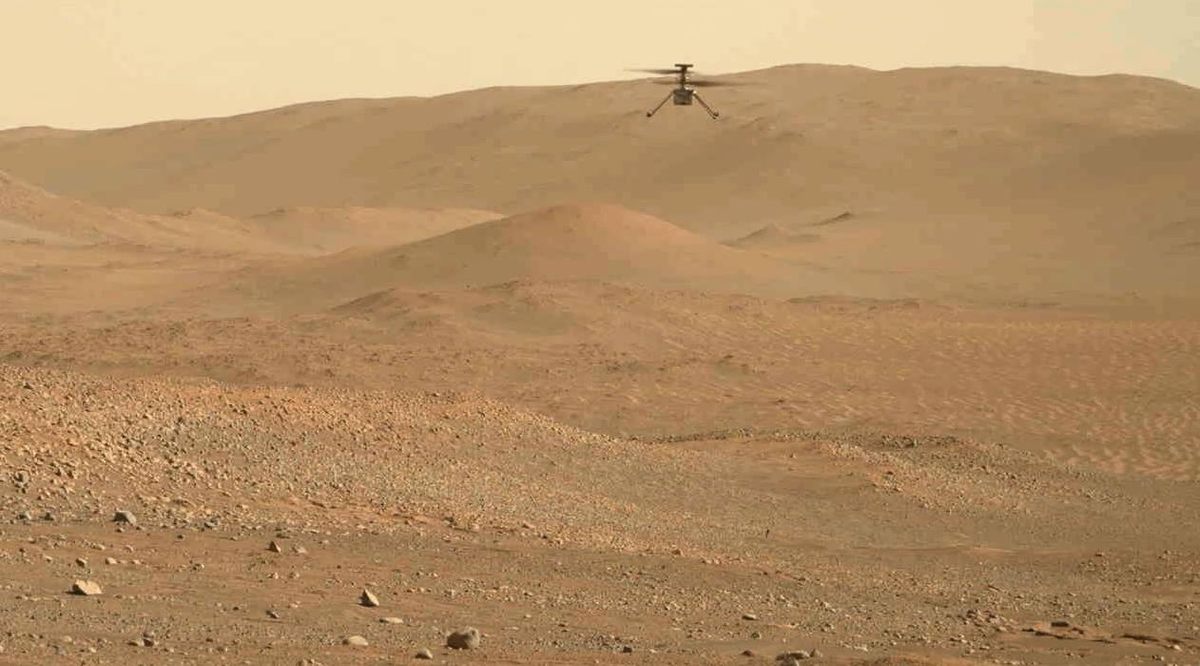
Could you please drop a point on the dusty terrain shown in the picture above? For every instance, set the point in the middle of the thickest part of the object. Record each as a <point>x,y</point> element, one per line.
<point>900,367</point>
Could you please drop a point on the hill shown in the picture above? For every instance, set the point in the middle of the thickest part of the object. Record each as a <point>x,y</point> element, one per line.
<point>793,139</point>
<point>31,214</point>
<point>572,242</point>
<point>36,132</point>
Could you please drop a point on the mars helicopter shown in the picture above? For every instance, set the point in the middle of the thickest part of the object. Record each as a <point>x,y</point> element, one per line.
<point>684,91</point>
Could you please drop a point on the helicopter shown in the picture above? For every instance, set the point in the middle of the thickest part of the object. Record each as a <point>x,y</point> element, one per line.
<point>684,91</point>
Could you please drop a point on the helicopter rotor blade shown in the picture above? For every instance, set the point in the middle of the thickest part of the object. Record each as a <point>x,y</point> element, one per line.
<point>655,71</point>
<point>715,84</point>
<point>702,83</point>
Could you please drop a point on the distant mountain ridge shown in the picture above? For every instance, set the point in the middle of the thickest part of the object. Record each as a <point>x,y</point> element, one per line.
<point>795,138</point>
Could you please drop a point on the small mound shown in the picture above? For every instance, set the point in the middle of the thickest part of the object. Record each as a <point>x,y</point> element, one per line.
<point>773,236</point>
<point>200,215</point>
<point>572,242</point>
<point>12,232</point>
<point>391,301</point>
<point>841,303</point>
<point>840,217</point>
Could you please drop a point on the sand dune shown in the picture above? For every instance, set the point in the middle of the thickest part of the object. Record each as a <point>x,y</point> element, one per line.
<point>573,241</point>
<point>590,242</point>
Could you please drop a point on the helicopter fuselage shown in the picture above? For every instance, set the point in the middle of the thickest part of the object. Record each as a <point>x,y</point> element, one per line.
<point>682,96</point>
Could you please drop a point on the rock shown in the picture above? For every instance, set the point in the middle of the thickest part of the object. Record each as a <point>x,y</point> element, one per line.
<point>367,599</point>
<point>357,641</point>
<point>424,653</point>
<point>792,658</point>
<point>110,560</point>
<point>79,561</point>
<point>125,517</point>
<point>628,649</point>
<point>86,588</point>
<point>748,653</point>
<point>25,515</point>
<point>274,547</point>
<point>750,616</point>
<point>465,639</point>
<point>816,654</point>
<point>274,615</point>
<point>391,620</point>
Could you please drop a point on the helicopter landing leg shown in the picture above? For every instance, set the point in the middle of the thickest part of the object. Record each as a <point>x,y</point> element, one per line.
<point>704,104</point>
<point>660,105</point>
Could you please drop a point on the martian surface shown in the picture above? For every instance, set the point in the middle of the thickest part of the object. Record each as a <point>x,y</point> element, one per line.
<point>881,367</point>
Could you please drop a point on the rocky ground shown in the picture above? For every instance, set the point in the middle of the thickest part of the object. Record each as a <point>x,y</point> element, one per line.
<point>258,515</point>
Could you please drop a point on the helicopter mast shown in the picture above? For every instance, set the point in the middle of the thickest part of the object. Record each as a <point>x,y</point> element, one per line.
<point>683,70</point>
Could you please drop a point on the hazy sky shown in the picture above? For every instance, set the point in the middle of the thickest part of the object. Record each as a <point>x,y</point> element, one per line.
<point>102,63</point>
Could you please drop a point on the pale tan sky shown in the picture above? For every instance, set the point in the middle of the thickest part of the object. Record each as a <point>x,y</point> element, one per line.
<point>103,63</point>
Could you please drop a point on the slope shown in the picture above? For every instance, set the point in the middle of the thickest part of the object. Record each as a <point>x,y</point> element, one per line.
<point>324,230</point>
<point>31,214</point>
